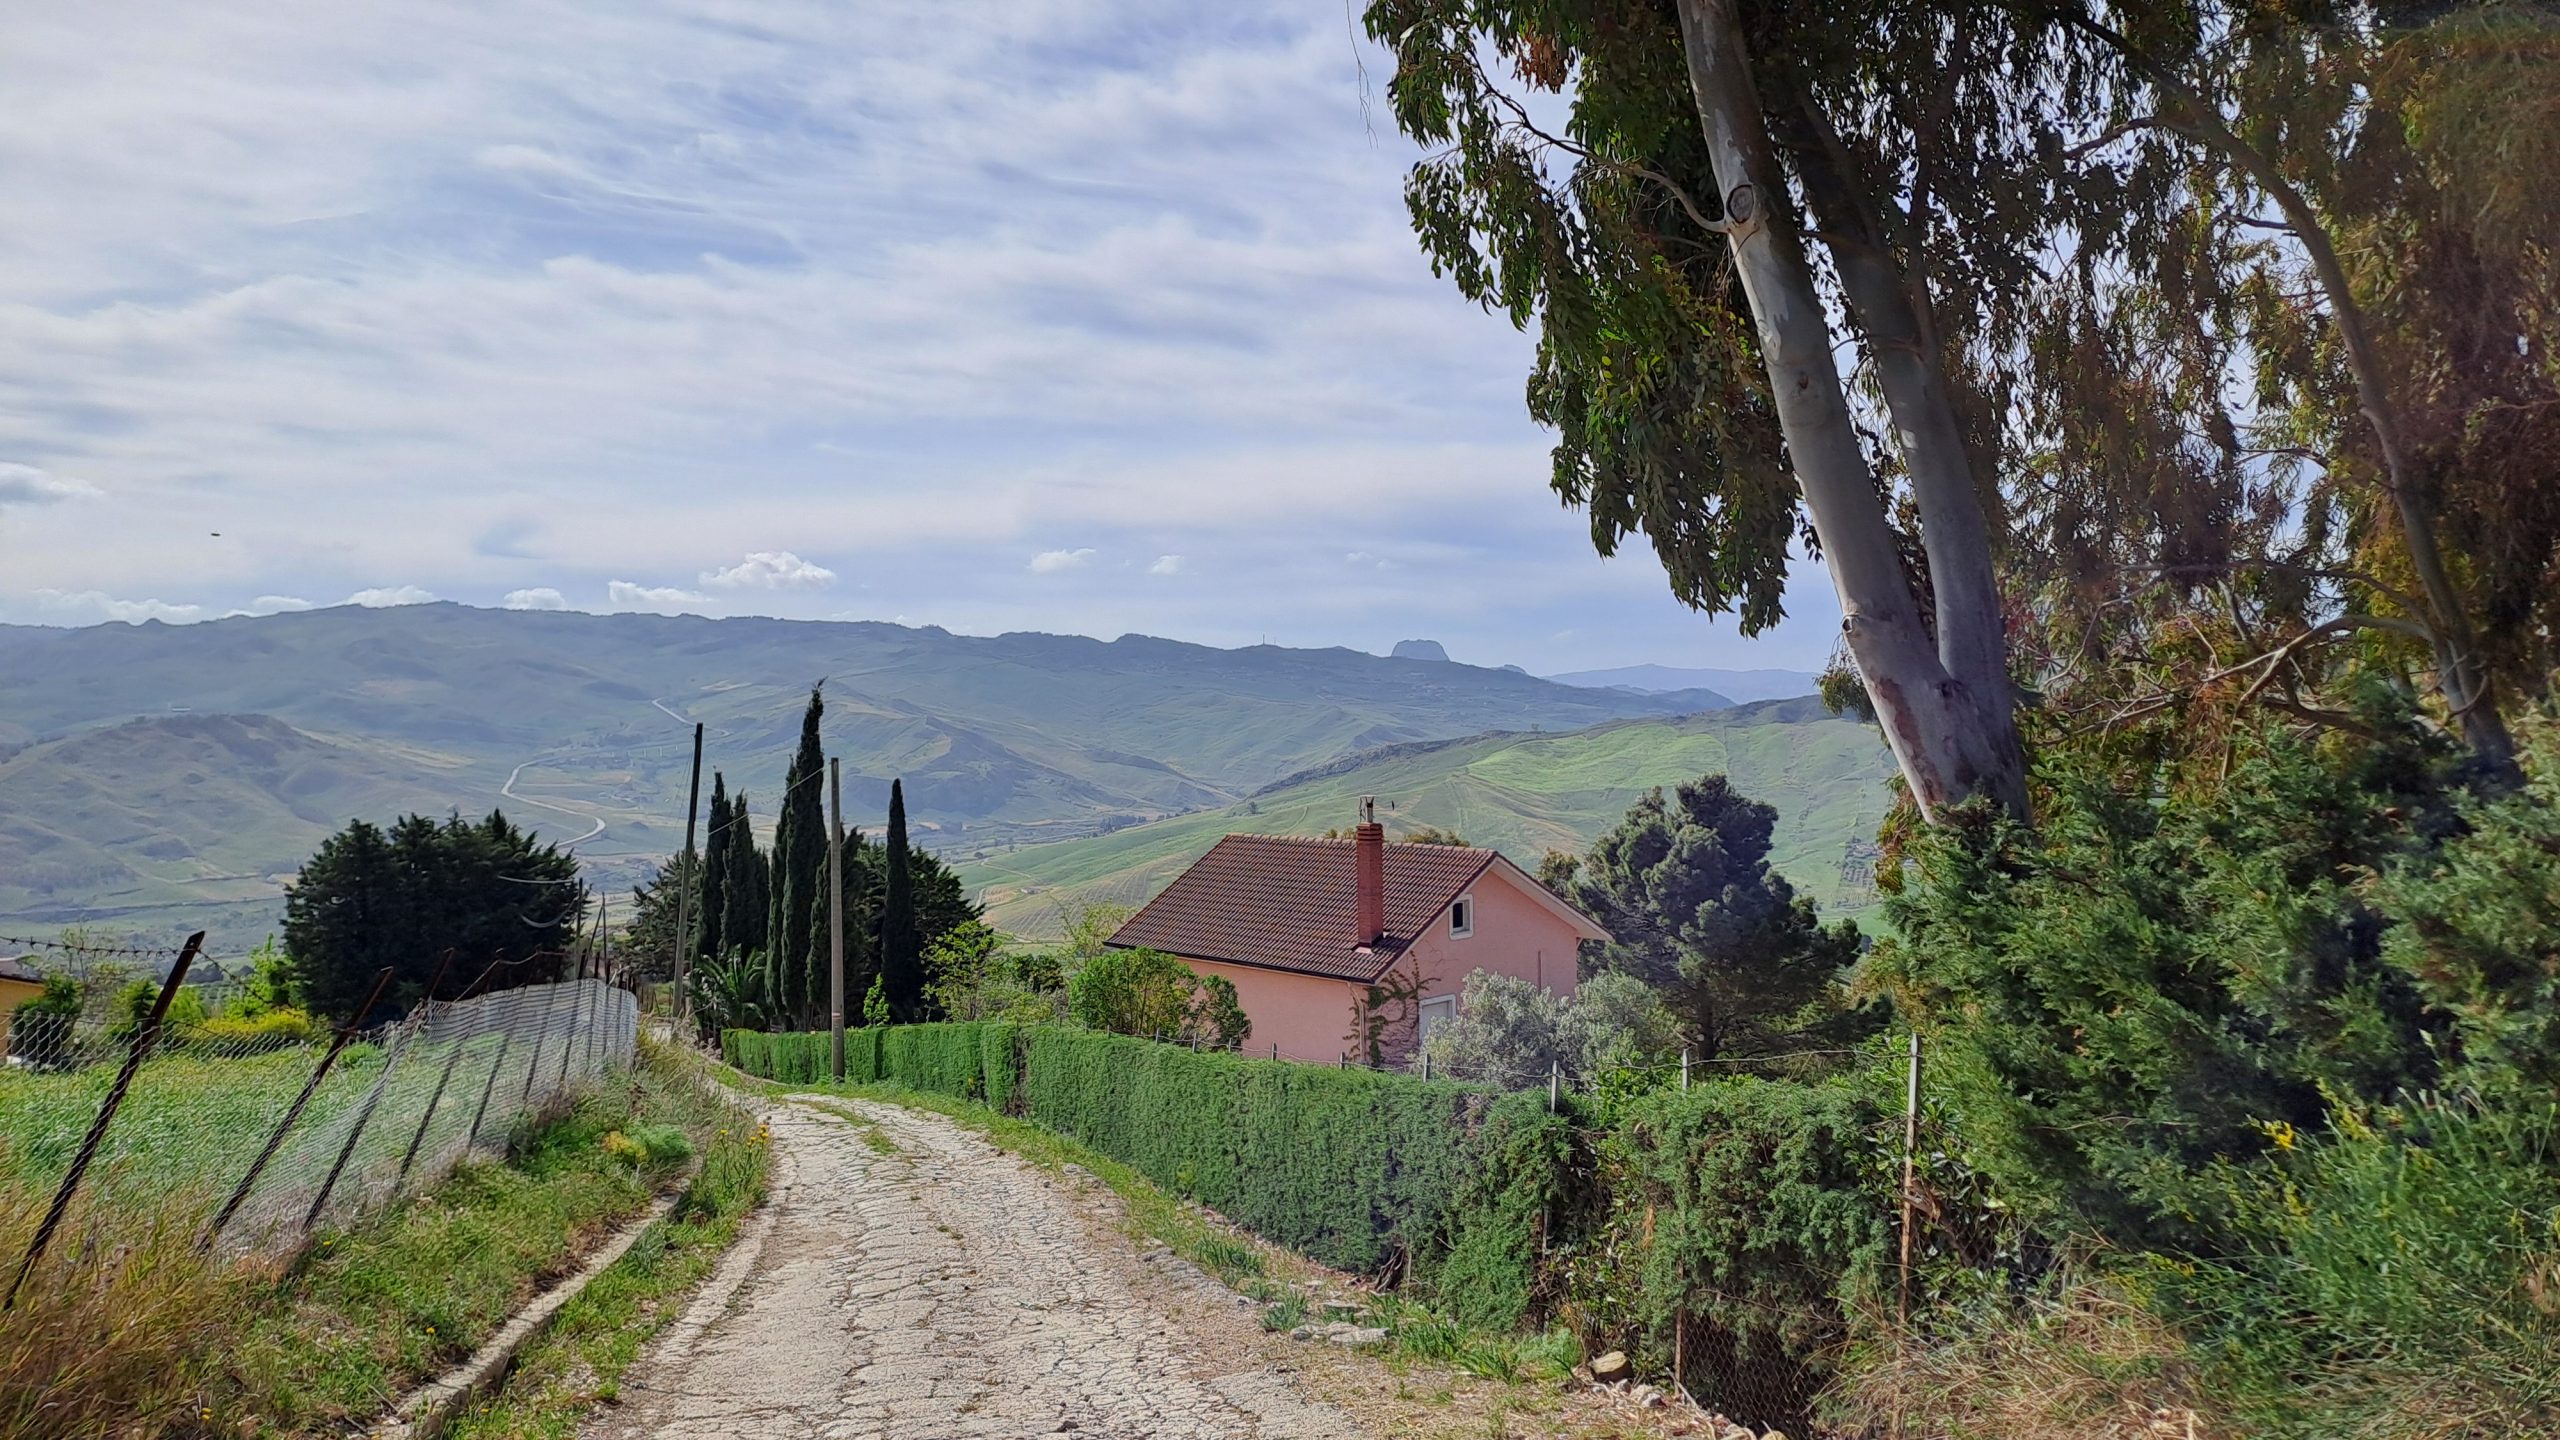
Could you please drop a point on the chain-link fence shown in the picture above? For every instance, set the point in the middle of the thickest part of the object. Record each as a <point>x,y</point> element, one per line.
<point>258,1135</point>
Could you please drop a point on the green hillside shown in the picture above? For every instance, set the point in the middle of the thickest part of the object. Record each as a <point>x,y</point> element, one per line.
<point>582,723</point>
<point>1522,794</point>
<point>183,821</point>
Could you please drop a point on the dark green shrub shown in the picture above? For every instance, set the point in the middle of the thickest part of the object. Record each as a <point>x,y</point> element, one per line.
<point>1746,1206</point>
<point>1487,1271</point>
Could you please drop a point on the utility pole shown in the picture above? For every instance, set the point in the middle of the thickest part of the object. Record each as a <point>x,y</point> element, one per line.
<point>692,878</point>
<point>835,911</point>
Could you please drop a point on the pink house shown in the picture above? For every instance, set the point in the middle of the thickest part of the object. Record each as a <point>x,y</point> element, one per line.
<point>1349,947</point>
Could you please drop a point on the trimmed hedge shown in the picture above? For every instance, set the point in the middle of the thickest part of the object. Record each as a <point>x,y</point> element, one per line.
<point>976,1061</point>
<point>1353,1167</point>
<point>1752,1207</point>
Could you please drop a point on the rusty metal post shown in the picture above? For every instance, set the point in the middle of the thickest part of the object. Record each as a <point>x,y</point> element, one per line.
<point>497,1067</point>
<point>293,1112</point>
<point>569,1042</point>
<point>355,1132</point>
<point>143,1041</point>
<point>541,1032</point>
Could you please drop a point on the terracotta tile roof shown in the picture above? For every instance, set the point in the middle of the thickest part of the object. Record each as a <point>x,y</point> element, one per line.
<point>1289,904</point>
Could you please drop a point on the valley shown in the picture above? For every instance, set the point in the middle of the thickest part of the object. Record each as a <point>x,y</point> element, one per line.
<point>156,779</point>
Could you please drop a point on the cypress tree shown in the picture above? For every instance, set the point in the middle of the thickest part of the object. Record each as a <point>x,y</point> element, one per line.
<point>714,873</point>
<point>901,958</point>
<point>743,893</point>
<point>799,876</point>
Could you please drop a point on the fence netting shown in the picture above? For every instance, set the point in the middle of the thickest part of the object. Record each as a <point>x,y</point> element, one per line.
<point>224,1123</point>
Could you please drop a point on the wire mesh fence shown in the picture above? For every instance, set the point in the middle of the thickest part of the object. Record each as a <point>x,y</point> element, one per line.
<point>258,1137</point>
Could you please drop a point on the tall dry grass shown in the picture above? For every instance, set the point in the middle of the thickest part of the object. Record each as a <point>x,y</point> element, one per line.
<point>108,1332</point>
<point>2088,1365</point>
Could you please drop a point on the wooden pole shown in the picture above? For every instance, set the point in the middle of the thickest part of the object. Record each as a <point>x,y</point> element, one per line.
<point>835,913</point>
<point>692,881</point>
<point>143,1041</point>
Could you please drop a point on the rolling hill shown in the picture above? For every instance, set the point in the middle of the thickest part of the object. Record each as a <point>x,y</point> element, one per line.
<point>581,723</point>
<point>1523,794</point>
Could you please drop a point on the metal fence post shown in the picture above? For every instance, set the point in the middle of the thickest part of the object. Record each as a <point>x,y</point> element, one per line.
<point>1555,1081</point>
<point>541,1032</point>
<point>428,1118</point>
<point>1910,1166</point>
<point>143,1041</point>
<point>293,1112</point>
<point>1684,1069</point>
<point>497,1067</point>
<point>355,1132</point>
<point>569,1042</point>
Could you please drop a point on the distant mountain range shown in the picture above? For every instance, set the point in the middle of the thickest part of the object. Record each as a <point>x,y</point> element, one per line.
<point>1744,686</point>
<point>1521,794</point>
<point>157,778</point>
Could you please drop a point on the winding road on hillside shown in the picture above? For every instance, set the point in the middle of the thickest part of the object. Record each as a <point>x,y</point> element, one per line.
<point>509,791</point>
<point>907,1280</point>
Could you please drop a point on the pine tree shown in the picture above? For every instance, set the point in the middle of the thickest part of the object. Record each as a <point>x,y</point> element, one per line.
<point>800,877</point>
<point>901,957</point>
<point>715,875</point>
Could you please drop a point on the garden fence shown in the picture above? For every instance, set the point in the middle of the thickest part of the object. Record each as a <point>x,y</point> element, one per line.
<point>257,1140</point>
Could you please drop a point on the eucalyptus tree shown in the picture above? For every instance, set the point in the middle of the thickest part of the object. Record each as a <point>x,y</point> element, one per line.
<point>1657,231</point>
<point>2086,270</point>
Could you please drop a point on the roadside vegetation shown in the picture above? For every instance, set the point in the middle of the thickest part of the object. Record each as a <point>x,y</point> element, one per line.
<point>136,1334</point>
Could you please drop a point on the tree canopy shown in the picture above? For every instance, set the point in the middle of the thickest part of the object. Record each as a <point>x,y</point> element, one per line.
<point>505,909</point>
<point>1684,887</point>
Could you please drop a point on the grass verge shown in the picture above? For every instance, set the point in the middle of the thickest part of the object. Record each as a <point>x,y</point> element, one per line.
<point>129,1332</point>
<point>581,1357</point>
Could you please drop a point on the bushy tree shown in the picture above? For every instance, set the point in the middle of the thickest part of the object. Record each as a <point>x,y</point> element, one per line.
<point>1684,887</point>
<point>1151,994</point>
<point>2166,971</point>
<point>647,945</point>
<point>1509,1031</point>
<point>974,976</point>
<point>504,907</point>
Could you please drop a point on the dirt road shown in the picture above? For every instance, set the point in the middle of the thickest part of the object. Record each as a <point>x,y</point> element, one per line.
<point>908,1279</point>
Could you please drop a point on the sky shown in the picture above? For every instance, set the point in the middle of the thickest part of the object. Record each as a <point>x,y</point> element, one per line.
<point>1090,316</point>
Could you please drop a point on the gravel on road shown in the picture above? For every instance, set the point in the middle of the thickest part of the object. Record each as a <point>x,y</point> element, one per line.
<point>910,1281</point>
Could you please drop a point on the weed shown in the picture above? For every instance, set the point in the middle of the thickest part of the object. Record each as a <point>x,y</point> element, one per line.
<point>1286,1313</point>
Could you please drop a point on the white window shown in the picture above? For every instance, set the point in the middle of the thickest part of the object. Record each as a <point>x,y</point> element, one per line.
<point>1437,1011</point>
<point>1462,917</point>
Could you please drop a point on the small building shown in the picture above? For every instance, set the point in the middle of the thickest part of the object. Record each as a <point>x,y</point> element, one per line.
<point>1345,947</point>
<point>20,982</point>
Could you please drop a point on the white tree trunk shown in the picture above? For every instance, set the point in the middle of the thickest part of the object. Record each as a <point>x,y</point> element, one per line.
<point>1935,725</point>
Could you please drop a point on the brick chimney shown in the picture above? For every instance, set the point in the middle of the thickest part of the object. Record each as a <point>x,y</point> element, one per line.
<point>1369,863</point>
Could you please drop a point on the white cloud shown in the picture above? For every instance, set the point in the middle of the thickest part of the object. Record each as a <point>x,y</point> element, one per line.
<point>771,570</point>
<point>1050,562</point>
<point>27,485</point>
<point>1166,565</point>
<point>275,604</point>
<point>98,605</point>
<point>626,595</point>
<point>540,597</point>
<point>383,597</point>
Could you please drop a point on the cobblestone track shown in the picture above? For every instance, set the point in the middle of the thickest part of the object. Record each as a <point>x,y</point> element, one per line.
<point>950,1290</point>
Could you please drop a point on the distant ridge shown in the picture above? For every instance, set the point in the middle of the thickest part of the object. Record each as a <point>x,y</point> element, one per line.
<point>571,720</point>
<point>1744,686</point>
